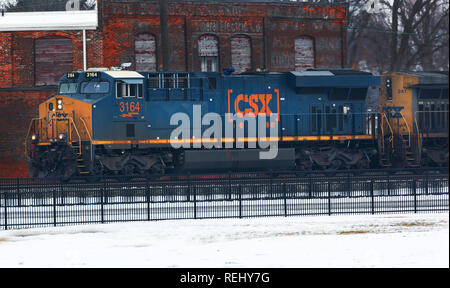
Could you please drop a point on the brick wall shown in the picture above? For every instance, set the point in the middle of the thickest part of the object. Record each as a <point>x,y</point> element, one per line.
<point>271,27</point>
<point>17,108</point>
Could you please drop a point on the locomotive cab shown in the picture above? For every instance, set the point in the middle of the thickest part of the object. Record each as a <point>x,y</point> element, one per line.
<point>63,135</point>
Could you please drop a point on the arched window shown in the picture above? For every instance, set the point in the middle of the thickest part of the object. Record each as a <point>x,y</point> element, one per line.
<point>304,53</point>
<point>53,59</point>
<point>208,51</point>
<point>241,53</point>
<point>145,48</point>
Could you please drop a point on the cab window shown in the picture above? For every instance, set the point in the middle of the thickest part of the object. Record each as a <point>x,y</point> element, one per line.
<point>68,88</point>
<point>129,90</point>
<point>94,87</point>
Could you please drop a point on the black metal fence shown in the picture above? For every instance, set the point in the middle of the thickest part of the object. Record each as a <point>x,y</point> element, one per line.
<point>26,203</point>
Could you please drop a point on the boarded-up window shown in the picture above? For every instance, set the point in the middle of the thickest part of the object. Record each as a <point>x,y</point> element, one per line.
<point>304,53</point>
<point>53,58</point>
<point>208,50</point>
<point>241,53</point>
<point>145,46</point>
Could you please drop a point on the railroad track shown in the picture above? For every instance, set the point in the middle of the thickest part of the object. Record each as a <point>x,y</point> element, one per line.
<point>245,175</point>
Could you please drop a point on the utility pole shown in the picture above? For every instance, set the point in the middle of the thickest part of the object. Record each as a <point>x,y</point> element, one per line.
<point>164,34</point>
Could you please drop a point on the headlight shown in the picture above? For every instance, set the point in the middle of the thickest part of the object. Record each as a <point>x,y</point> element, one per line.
<point>34,138</point>
<point>62,136</point>
<point>60,107</point>
<point>59,102</point>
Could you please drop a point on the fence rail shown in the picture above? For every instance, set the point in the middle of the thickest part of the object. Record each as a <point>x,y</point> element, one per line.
<point>27,203</point>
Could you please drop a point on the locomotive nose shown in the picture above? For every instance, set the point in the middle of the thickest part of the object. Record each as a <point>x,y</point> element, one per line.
<point>64,119</point>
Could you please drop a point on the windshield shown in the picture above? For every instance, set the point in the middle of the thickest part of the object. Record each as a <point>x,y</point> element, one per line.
<point>94,87</point>
<point>68,88</point>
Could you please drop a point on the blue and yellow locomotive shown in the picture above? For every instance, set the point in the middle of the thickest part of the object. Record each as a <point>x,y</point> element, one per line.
<point>104,122</point>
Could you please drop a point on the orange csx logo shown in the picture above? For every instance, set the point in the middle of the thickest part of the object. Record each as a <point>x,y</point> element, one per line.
<point>254,103</point>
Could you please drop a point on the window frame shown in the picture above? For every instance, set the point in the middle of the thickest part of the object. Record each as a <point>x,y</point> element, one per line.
<point>68,83</point>
<point>139,90</point>
<point>81,87</point>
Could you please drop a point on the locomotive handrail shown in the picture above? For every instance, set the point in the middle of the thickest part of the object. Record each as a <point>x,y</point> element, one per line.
<point>28,134</point>
<point>76,130</point>
<point>409,131</point>
<point>382,133</point>
<point>391,138</point>
<point>418,132</point>
<point>88,133</point>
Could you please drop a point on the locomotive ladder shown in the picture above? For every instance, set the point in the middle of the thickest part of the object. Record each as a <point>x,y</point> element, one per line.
<point>410,150</point>
<point>83,165</point>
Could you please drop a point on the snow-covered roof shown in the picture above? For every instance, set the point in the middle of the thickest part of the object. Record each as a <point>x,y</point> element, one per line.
<point>44,21</point>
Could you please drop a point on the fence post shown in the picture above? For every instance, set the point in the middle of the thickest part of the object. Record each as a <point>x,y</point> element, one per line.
<point>195,203</point>
<point>372,198</point>
<point>188,195</point>
<point>271,184</point>
<point>54,206</point>
<point>147,196</point>
<point>19,201</point>
<point>6,210</point>
<point>240,201</point>
<point>285,200</point>
<point>389,185</point>
<point>349,192</point>
<point>103,193</point>
<point>62,193</point>
<point>415,195</point>
<point>310,187</point>
<point>230,197</point>
<point>329,198</point>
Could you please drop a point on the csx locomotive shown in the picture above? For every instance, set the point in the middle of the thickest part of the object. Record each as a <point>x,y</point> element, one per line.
<point>106,122</point>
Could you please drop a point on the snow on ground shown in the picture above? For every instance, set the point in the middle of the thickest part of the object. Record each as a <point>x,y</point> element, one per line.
<point>339,241</point>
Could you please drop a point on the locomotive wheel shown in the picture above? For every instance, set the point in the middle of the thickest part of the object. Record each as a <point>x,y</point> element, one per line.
<point>129,169</point>
<point>363,164</point>
<point>336,164</point>
<point>157,169</point>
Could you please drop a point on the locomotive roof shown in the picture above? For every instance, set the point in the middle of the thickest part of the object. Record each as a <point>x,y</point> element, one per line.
<point>334,78</point>
<point>124,74</point>
<point>429,78</point>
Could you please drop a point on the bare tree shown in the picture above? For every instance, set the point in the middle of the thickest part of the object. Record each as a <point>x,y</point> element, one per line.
<point>4,4</point>
<point>403,35</point>
<point>417,32</point>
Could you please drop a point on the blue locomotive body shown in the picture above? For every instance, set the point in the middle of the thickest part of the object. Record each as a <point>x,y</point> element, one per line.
<point>130,115</point>
<point>311,103</point>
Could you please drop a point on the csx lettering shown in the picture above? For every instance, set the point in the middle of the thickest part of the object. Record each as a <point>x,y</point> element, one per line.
<point>255,104</point>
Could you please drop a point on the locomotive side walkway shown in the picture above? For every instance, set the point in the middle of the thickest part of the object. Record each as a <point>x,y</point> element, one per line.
<point>28,203</point>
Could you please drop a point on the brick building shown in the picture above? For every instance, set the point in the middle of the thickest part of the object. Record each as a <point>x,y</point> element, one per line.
<point>176,36</point>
